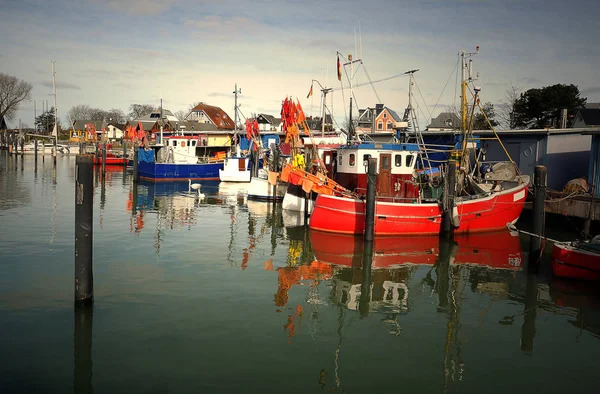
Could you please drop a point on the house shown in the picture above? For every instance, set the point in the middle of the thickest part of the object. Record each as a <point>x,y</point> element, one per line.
<point>204,113</point>
<point>269,123</point>
<point>116,131</point>
<point>445,121</point>
<point>587,117</point>
<point>156,115</point>
<point>378,119</point>
<point>78,130</point>
<point>316,125</point>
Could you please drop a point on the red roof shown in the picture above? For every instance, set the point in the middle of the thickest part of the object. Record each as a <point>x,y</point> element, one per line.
<point>216,115</point>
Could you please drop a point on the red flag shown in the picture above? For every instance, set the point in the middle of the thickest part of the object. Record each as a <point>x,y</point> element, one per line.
<point>300,118</point>
<point>339,68</point>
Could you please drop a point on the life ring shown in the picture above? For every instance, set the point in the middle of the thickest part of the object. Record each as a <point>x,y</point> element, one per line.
<point>182,144</point>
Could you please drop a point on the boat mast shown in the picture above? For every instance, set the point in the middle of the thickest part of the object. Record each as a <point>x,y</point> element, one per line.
<point>236,91</point>
<point>55,130</point>
<point>351,129</point>
<point>463,92</point>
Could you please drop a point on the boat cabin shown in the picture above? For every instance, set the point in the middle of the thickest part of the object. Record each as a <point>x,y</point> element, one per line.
<point>185,149</point>
<point>396,169</point>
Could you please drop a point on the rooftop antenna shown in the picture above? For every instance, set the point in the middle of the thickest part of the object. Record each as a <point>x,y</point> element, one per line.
<point>360,38</point>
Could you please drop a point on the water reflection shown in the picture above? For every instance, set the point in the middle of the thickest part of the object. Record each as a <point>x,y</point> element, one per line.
<point>82,349</point>
<point>584,297</point>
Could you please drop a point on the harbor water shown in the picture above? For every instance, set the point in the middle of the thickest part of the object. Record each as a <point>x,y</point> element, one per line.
<point>221,294</point>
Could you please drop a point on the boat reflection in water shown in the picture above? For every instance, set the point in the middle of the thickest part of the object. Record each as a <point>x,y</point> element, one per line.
<point>393,260</point>
<point>583,297</point>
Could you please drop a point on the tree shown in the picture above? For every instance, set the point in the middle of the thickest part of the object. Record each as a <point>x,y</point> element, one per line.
<point>180,115</point>
<point>540,108</point>
<point>136,111</point>
<point>115,115</point>
<point>479,120</point>
<point>506,107</point>
<point>80,112</point>
<point>12,92</point>
<point>45,121</point>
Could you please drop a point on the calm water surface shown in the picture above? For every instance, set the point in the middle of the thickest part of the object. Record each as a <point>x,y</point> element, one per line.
<point>222,294</point>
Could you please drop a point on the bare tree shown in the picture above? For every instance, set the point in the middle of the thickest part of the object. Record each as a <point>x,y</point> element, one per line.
<point>505,108</point>
<point>12,92</point>
<point>180,115</point>
<point>80,112</point>
<point>136,111</point>
<point>115,115</point>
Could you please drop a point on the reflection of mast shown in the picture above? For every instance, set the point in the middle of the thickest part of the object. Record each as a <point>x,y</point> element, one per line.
<point>54,210</point>
<point>339,346</point>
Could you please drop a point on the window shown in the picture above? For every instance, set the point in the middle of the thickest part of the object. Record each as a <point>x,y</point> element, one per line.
<point>384,116</point>
<point>352,160</point>
<point>398,160</point>
<point>174,143</point>
<point>327,159</point>
<point>379,126</point>
<point>385,162</point>
<point>340,160</point>
<point>188,143</point>
<point>193,143</point>
<point>389,126</point>
<point>366,157</point>
<point>409,160</point>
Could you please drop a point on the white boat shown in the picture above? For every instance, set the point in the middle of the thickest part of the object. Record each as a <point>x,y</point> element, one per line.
<point>261,189</point>
<point>48,149</point>
<point>235,168</point>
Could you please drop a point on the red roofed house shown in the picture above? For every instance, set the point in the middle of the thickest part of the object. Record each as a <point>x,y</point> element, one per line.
<point>205,113</point>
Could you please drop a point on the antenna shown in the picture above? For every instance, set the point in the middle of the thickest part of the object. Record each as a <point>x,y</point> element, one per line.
<point>360,37</point>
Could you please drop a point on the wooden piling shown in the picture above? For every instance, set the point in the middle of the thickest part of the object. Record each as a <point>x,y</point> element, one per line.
<point>530,314</point>
<point>35,147</point>
<point>275,152</point>
<point>135,162</point>
<point>103,159</point>
<point>539,217</point>
<point>449,197</point>
<point>84,217</point>
<point>371,197</point>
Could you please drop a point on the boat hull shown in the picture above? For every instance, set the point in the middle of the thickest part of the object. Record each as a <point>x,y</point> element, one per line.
<point>261,189</point>
<point>111,161</point>
<point>165,172</point>
<point>347,216</point>
<point>235,169</point>
<point>295,199</point>
<point>571,262</point>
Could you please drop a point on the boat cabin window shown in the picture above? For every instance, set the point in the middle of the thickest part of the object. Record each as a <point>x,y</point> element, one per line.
<point>385,162</point>
<point>193,143</point>
<point>398,160</point>
<point>340,160</point>
<point>352,160</point>
<point>409,160</point>
<point>327,159</point>
<point>188,143</point>
<point>366,159</point>
<point>174,143</point>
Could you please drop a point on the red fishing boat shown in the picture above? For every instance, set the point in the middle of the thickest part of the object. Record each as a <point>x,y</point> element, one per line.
<point>577,260</point>
<point>407,206</point>
<point>497,250</point>
<point>111,160</point>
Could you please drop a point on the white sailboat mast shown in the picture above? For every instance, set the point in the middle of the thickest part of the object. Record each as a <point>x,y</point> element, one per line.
<point>55,130</point>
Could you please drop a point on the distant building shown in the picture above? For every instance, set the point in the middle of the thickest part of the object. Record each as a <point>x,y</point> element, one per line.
<point>155,116</point>
<point>204,113</point>
<point>269,123</point>
<point>378,119</point>
<point>446,121</point>
<point>315,123</point>
<point>588,116</point>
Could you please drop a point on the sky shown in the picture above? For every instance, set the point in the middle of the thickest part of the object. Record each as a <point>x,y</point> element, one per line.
<point>114,53</point>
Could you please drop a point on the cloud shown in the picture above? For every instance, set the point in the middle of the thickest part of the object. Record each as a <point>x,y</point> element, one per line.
<point>591,90</point>
<point>530,81</point>
<point>138,7</point>
<point>62,85</point>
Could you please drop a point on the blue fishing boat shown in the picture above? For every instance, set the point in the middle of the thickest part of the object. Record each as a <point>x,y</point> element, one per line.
<point>176,159</point>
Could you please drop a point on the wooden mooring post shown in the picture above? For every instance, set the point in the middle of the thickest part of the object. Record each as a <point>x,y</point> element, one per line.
<point>135,162</point>
<point>539,217</point>
<point>103,159</point>
<point>35,152</point>
<point>371,197</point>
<point>449,196</point>
<point>84,218</point>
